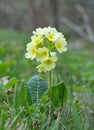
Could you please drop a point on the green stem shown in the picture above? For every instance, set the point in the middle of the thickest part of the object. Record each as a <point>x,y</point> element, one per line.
<point>49,73</point>
<point>50,81</point>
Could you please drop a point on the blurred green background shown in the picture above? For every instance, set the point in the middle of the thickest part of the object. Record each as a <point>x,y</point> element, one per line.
<point>74,18</point>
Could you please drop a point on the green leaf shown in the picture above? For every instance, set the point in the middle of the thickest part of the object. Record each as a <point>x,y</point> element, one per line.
<point>16,99</point>
<point>23,94</point>
<point>11,83</point>
<point>76,118</point>
<point>58,94</point>
<point>36,87</point>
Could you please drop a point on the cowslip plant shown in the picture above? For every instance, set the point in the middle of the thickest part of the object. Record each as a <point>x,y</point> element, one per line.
<point>44,47</point>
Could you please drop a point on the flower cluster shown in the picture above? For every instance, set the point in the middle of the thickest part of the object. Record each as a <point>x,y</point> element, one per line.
<point>42,47</point>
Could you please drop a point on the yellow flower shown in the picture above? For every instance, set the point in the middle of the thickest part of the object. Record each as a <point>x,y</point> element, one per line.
<point>43,42</point>
<point>42,53</point>
<point>53,55</point>
<point>38,31</point>
<point>31,51</point>
<point>60,44</point>
<point>49,63</point>
<point>41,68</point>
<point>48,32</point>
<point>52,34</point>
<point>36,40</point>
<point>41,31</point>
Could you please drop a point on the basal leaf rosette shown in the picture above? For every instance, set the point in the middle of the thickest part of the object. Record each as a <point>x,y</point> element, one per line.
<point>44,42</point>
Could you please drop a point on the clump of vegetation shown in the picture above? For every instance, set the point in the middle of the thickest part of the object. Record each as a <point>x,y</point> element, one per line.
<point>71,110</point>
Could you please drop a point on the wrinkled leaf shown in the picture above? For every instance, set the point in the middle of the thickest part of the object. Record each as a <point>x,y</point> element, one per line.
<point>36,87</point>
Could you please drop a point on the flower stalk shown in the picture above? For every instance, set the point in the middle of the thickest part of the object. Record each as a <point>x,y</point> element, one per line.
<point>50,82</point>
<point>49,79</point>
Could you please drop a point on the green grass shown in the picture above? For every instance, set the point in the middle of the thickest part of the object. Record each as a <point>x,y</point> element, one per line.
<point>75,67</point>
<point>12,54</point>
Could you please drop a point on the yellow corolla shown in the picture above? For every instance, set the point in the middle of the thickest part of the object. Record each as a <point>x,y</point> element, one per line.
<point>60,45</point>
<point>41,68</point>
<point>53,55</point>
<point>52,34</point>
<point>38,31</point>
<point>41,31</point>
<point>36,40</point>
<point>49,63</point>
<point>31,51</point>
<point>42,53</point>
